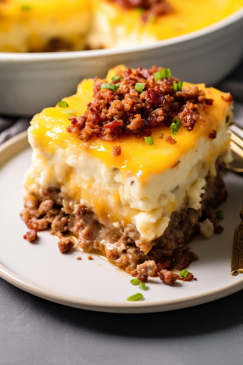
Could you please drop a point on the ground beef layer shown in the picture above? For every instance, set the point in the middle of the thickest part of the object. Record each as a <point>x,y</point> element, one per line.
<point>78,226</point>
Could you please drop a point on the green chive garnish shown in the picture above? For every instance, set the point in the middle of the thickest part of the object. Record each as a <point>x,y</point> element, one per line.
<point>149,141</point>
<point>162,74</point>
<point>139,87</point>
<point>175,125</point>
<point>115,78</point>
<point>177,86</point>
<point>184,273</point>
<point>68,111</point>
<point>26,8</point>
<point>135,281</point>
<point>135,297</point>
<point>220,214</point>
<point>152,19</point>
<point>139,10</point>
<point>142,286</point>
<point>62,104</point>
<point>112,87</point>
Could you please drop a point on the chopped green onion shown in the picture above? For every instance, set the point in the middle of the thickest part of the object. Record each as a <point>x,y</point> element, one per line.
<point>115,78</point>
<point>142,286</point>
<point>135,281</point>
<point>184,273</point>
<point>135,297</point>
<point>162,74</point>
<point>26,8</point>
<point>139,87</point>
<point>112,87</point>
<point>149,141</point>
<point>139,10</point>
<point>117,85</point>
<point>220,214</point>
<point>151,19</point>
<point>68,111</point>
<point>62,104</point>
<point>177,86</point>
<point>175,125</point>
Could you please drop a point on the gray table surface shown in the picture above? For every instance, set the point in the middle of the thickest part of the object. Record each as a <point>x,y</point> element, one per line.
<point>34,331</point>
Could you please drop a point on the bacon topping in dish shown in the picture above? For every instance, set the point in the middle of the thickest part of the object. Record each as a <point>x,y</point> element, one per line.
<point>136,102</point>
<point>150,7</point>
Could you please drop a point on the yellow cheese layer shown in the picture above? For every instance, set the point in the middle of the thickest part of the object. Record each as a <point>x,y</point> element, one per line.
<point>186,16</point>
<point>58,10</point>
<point>49,130</point>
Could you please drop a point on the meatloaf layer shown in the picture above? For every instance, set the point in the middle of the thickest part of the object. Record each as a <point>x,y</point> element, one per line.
<point>78,227</point>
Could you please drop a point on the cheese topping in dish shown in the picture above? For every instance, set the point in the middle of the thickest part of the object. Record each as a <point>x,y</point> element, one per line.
<point>35,26</point>
<point>145,184</point>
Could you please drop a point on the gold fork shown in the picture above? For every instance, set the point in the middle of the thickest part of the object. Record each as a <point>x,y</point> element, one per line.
<point>236,145</point>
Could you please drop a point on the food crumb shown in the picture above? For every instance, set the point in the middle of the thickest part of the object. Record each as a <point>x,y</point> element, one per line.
<point>65,244</point>
<point>206,228</point>
<point>116,150</point>
<point>170,140</point>
<point>79,258</point>
<point>90,257</point>
<point>189,277</point>
<point>161,136</point>
<point>31,235</point>
<point>213,134</point>
<point>218,229</point>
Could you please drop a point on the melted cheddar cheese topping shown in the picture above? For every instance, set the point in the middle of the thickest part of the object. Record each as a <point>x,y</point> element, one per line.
<point>49,131</point>
<point>186,16</point>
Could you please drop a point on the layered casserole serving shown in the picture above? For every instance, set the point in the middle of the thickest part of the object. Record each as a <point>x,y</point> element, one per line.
<point>130,167</point>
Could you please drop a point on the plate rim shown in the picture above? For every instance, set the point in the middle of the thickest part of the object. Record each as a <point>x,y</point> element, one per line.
<point>52,56</point>
<point>20,142</point>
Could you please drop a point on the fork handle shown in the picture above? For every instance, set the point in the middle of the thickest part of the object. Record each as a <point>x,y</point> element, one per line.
<point>237,250</point>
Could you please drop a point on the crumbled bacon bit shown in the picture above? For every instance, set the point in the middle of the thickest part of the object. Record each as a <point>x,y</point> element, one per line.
<point>116,150</point>
<point>227,97</point>
<point>161,136</point>
<point>79,258</point>
<point>213,134</point>
<point>151,7</point>
<point>31,235</point>
<point>113,114</point>
<point>90,257</point>
<point>168,277</point>
<point>170,140</point>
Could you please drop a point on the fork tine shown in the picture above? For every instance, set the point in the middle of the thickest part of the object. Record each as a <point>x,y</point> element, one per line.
<point>237,149</point>
<point>236,130</point>
<point>236,139</point>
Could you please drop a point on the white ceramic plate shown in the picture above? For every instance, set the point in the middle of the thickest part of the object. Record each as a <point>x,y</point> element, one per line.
<point>30,82</point>
<point>97,285</point>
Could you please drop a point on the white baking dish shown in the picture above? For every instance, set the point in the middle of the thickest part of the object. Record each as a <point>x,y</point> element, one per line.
<point>30,82</point>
